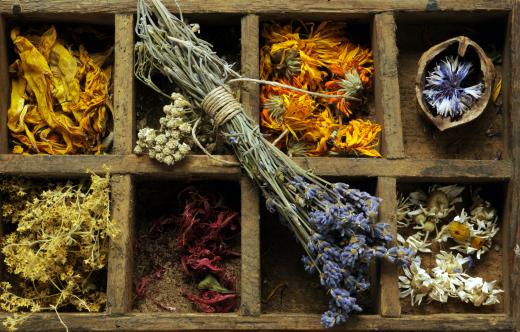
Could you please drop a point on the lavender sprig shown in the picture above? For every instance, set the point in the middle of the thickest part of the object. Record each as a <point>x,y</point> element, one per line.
<point>445,90</point>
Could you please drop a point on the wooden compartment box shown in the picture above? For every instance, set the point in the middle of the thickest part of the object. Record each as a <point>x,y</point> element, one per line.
<point>484,151</point>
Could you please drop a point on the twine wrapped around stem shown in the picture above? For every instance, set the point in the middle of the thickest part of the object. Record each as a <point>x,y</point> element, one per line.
<point>336,225</point>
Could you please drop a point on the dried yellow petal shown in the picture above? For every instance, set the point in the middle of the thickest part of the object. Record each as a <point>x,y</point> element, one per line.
<point>59,98</point>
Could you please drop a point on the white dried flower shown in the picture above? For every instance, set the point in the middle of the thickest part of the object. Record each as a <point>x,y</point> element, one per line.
<point>177,156</point>
<point>168,160</point>
<point>138,149</point>
<point>185,127</point>
<point>167,109</point>
<point>473,233</point>
<point>181,103</point>
<point>161,139</point>
<point>177,112</point>
<point>184,148</point>
<point>175,134</point>
<point>172,144</point>
<point>416,282</point>
<point>173,140</point>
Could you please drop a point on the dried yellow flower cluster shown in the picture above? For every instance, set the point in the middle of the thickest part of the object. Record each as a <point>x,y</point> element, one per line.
<point>58,246</point>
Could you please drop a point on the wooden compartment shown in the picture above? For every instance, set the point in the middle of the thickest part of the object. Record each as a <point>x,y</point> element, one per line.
<point>482,138</point>
<point>491,265</point>
<point>286,286</point>
<point>98,278</point>
<point>359,31</point>
<point>155,249</point>
<point>96,32</point>
<point>223,32</point>
<point>409,156</point>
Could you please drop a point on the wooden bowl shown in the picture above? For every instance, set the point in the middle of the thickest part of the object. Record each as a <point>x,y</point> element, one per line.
<point>487,74</point>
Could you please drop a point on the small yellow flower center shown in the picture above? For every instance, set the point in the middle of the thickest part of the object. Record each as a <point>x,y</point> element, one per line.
<point>477,242</point>
<point>458,231</point>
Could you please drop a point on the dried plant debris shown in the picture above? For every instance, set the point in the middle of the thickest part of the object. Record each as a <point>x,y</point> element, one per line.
<point>173,141</point>
<point>439,218</point>
<point>57,248</point>
<point>60,96</point>
<point>203,241</point>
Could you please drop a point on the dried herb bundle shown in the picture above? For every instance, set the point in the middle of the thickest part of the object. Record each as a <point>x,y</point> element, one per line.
<point>59,244</point>
<point>336,225</point>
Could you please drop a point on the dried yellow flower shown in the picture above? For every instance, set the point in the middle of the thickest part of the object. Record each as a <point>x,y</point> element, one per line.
<point>60,100</point>
<point>58,247</point>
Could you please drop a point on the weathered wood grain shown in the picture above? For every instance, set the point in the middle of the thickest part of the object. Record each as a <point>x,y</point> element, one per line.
<point>386,85</point>
<point>479,139</point>
<point>250,243</point>
<point>124,101</point>
<point>121,254</point>
<point>250,290</point>
<point>512,250</point>
<point>4,87</point>
<point>191,167</point>
<point>389,302</point>
<point>250,64</point>
<point>256,6</point>
<point>456,170</point>
<point>197,166</point>
<point>225,322</point>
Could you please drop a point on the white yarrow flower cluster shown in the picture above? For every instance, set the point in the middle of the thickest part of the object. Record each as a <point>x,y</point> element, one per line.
<point>172,142</point>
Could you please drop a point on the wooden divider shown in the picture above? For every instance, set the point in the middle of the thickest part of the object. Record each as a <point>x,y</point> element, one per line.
<point>386,85</point>
<point>121,254</point>
<point>512,249</point>
<point>4,87</point>
<point>124,101</point>
<point>250,292</point>
<point>389,301</point>
<point>257,6</point>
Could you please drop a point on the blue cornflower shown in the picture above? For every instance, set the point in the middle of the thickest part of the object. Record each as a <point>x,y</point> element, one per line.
<point>446,89</point>
<point>470,264</point>
<point>380,251</point>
